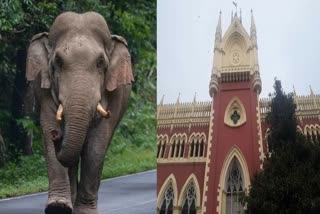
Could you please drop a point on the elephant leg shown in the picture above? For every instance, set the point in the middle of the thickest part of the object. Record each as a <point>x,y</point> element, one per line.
<point>59,196</point>
<point>92,159</point>
<point>73,177</point>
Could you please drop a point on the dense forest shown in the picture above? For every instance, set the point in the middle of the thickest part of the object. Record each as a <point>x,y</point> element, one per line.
<point>21,19</point>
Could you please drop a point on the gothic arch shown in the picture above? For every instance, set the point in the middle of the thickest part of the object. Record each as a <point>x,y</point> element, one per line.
<point>177,140</point>
<point>236,43</point>
<point>317,127</point>
<point>235,39</point>
<point>178,136</point>
<point>299,129</point>
<point>267,133</point>
<point>235,108</point>
<point>171,180</point>
<point>191,179</point>
<point>198,136</point>
<point>163,137</point>
<point>312,133</point>
<point>162,141</point>
<point>197,145</point>
<point>233,153</point>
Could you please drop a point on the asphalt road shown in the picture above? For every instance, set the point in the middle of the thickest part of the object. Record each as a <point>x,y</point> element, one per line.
<point>134,194</point>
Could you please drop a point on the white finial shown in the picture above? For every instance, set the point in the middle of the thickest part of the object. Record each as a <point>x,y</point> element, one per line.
<point>218,29</point>
<point>178,100</point>
<point>195,97</point>
<point>218,36</point>
<point>162,99</point>
<point>311,91</point>
<point>253,31</point>
<point>294,90</point>
<point>231,16</point>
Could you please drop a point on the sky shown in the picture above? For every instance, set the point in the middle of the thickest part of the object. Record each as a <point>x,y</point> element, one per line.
<point>288,37</point>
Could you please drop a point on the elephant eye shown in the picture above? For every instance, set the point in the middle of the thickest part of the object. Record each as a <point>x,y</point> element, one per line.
<point>101,62</point>
<point>59,61</point>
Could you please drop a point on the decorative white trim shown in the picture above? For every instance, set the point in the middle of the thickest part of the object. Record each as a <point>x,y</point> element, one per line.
<point>235,105</point>
<point>233,153</point>
<point>170,180</point>
<point>191,178</point>
<point>208,158</point>
<point>262,154</point>
<point>183,160</point>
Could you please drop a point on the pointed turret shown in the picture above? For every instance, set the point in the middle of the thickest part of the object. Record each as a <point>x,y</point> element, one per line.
<point>231,16</point>
<point>162,99</point>
<point>218,38</point>
<point>294,91</point>
<point>253,30</point>
<point>178,100</point>
<point>311,91</point>
<point>195,97</point>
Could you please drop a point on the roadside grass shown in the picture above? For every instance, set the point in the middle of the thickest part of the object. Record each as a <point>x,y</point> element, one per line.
<point>29,174</point>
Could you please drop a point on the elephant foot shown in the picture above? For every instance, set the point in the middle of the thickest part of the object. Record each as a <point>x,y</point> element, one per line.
<point>58,206</point>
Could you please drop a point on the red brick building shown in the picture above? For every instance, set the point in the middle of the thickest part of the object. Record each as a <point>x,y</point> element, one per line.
<point>209,151</point>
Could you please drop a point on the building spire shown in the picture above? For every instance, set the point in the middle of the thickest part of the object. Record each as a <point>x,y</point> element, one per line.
<point>253,25</point>
<point>195,97</point>
<point>218,32</point>
<point>178,100</point>
<point>311,91</point>
<point>231,16</point>
<point>162,99</point>
<point>253,30</point>
<point>218,29</point>
<point>240,16</point>
<point>294,91</point>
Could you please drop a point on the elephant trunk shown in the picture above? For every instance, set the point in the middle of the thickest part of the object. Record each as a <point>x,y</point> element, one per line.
<point>77,118</point>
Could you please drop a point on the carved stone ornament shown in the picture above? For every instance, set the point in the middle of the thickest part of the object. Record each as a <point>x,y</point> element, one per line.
<point>235,114</point>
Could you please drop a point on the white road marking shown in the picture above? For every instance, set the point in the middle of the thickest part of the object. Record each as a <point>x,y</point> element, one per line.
<point>109,179</point>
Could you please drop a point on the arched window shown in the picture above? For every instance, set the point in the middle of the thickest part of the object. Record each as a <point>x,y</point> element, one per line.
<point>158,149</point>
<point>178,149</point>
<point>182,149</point>
<point>189,203</point>
<point>318,133</point>
<point>234,188</point>
<point>167,201</point>
<point>173,146</point>
<point>191,148</point>
<point>197,149</point>
<point>201,148</point>
<point>163,149</point>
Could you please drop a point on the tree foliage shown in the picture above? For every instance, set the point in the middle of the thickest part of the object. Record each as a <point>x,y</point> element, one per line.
<point>281,119</point>
<point>289,182</point>
<point>21,19</point>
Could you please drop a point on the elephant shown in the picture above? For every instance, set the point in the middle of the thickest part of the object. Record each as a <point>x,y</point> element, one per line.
<point>81,76</point>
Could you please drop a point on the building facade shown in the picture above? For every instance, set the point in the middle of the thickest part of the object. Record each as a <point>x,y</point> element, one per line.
<point>209,151</point>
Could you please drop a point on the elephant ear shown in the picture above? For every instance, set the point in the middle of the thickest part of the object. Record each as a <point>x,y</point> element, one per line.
<point>120,70</point>
<point>37,60</point>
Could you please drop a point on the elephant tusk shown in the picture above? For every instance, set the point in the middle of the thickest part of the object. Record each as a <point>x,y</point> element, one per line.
<point>59,113</point>
<point>103,112</point>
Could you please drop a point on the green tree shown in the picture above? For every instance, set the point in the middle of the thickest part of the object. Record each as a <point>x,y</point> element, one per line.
<point>281,119</point>
<point>289,182</point>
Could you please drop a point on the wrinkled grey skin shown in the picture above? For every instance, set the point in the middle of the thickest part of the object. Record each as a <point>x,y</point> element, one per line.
<point>78,64</point>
